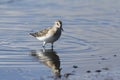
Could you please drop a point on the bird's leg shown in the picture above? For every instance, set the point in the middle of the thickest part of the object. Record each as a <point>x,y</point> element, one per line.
<point>43,49</point>
<point>52,45</point>
<point>44,43</point>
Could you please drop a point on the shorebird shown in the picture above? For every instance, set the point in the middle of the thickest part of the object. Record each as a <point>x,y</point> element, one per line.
<point>50,34</point>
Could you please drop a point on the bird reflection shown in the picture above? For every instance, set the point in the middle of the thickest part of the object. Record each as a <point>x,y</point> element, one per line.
<point>49,58</point>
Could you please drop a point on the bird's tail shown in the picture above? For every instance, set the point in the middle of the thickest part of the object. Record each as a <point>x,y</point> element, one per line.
<point>33,34</point>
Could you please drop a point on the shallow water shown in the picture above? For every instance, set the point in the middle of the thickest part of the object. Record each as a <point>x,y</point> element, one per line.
<point>90,41</point>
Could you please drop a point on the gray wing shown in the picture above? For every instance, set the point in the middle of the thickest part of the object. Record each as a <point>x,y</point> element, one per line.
<point>40,33</point>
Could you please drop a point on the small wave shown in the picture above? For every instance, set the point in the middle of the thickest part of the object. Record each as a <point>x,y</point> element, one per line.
<point>6,1</point>
<point>75,44</point>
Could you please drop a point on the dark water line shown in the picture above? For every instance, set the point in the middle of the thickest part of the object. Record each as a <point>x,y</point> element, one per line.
<point>8,50</point>
<point>6,2</point>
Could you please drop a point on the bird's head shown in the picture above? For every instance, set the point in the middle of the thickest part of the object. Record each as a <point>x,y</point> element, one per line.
<point>58,24</point>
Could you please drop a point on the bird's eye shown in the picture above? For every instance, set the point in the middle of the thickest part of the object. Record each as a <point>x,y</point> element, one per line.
<point>58,24</point>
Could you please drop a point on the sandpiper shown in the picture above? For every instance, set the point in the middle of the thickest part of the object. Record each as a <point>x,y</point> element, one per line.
<point>50,34</point>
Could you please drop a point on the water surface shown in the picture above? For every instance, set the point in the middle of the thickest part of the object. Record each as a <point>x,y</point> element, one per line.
<point>90,41</point>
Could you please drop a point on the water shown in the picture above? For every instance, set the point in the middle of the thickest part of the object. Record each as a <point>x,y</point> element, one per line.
<point>90,41</point>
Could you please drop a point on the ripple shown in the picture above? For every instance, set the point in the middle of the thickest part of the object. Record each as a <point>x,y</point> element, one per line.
<point>17,60</point>
<point>77,45</point>
<point>6,1</point>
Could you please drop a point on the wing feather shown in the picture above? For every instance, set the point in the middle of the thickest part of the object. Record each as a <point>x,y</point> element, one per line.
<point>40,33</point>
